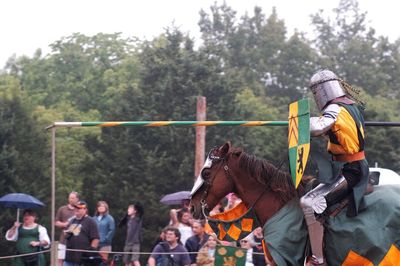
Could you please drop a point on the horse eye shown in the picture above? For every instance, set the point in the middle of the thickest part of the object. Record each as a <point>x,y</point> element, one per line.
<point>205,174</point>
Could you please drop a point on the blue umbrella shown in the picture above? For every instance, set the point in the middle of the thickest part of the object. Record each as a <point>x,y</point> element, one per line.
<point>20,201</point>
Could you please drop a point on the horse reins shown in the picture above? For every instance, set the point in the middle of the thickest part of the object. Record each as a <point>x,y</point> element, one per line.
<point>208,185</point>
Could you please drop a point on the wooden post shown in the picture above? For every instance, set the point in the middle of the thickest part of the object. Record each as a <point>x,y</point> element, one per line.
<point>53,197</point>
<point>200,135</point>
<point>54,253</point>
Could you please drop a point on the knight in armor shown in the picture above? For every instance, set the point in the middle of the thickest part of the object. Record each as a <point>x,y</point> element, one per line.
<point>342,122</point>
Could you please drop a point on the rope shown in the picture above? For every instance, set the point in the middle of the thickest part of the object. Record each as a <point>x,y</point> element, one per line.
<point>144,253</point>
<point>25,254</point>
<point>109,252</point>
<point>125,252</point>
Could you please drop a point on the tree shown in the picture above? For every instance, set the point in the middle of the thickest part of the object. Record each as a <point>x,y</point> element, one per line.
<point>24,152</point>
<point>127,163</point>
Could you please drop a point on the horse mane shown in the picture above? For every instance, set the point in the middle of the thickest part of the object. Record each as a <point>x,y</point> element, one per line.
<point>272,177</point>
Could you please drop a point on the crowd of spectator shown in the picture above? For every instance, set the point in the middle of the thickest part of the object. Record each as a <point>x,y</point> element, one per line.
<point>183,242</point>
<point>189,242</point>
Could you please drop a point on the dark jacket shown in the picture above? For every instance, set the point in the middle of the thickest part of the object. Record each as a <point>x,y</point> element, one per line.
<point>193,244</point>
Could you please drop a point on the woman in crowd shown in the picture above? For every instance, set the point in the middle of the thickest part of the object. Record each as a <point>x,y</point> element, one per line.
<point>255,256</point>
<point>30,237</point>
<point>106,225</point>
<point>205,256</point>
<point>247,243</point>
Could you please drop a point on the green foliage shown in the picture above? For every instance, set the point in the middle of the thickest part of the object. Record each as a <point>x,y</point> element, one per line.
<point>348,46</point>
<point>24,153</point>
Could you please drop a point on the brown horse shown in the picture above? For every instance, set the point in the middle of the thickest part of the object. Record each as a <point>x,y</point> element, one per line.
<point>273,197</point>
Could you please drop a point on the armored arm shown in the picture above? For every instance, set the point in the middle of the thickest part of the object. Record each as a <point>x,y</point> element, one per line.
<point>320,125</point>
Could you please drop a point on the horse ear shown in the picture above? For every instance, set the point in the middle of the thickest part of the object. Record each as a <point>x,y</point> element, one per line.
<point>237,152</point>
<point>225,148</point>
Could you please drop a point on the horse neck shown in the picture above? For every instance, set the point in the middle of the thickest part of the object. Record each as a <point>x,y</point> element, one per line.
<point>254,194</point>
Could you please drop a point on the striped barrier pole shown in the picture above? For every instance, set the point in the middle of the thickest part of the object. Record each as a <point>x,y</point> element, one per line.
<point>195,123</point>
<point>170,123</point>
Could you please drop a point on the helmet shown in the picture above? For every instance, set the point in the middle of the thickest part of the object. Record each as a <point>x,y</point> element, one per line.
<point>325,86</point>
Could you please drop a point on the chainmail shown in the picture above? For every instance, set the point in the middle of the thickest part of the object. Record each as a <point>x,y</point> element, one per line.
<point>350,91</point>
<point>353,93</point>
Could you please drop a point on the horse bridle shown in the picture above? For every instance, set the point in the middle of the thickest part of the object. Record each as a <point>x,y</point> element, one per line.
<point>208,183</point>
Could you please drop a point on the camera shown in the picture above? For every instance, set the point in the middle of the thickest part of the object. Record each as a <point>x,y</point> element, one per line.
<point>68,234</point>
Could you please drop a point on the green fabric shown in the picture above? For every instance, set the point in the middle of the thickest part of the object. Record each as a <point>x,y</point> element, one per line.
<point>25,236</point>
<point>380,212</point>
<point>370,234</point>
<point>225,255</point>
<point>286,236</point>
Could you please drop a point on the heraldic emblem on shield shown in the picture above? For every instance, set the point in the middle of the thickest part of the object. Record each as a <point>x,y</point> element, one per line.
<point>298,138</point>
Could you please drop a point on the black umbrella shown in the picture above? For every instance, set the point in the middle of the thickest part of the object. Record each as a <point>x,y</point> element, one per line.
<point>20,201</point>
<point>176,198</point>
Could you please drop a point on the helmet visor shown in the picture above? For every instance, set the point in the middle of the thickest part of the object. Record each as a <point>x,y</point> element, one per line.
<point>326,92</point>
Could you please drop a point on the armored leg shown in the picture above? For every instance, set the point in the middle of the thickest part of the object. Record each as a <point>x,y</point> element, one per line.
<point>316,201</point>
<point>315,228</point>
<point>337,191</point>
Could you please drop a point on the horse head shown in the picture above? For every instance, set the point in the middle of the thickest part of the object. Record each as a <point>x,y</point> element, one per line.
<point>213,182</point>
<point>228,169</point>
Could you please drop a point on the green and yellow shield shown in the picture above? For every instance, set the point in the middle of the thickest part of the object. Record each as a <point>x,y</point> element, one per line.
<point>298,138</point>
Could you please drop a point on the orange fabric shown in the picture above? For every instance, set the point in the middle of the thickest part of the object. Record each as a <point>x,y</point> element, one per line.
<point>345,129</point>
<point>222,232</point>
<point>233,224</point>
<point>353,259</point>
<point>208,229</point>
<point>234,232</point>
<point>231,214</point>
<point>247,224</point>
<point>349,157</point>
<point>392,257</point>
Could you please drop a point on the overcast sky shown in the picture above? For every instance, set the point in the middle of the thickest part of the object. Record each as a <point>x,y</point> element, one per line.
<point>26,25</point>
